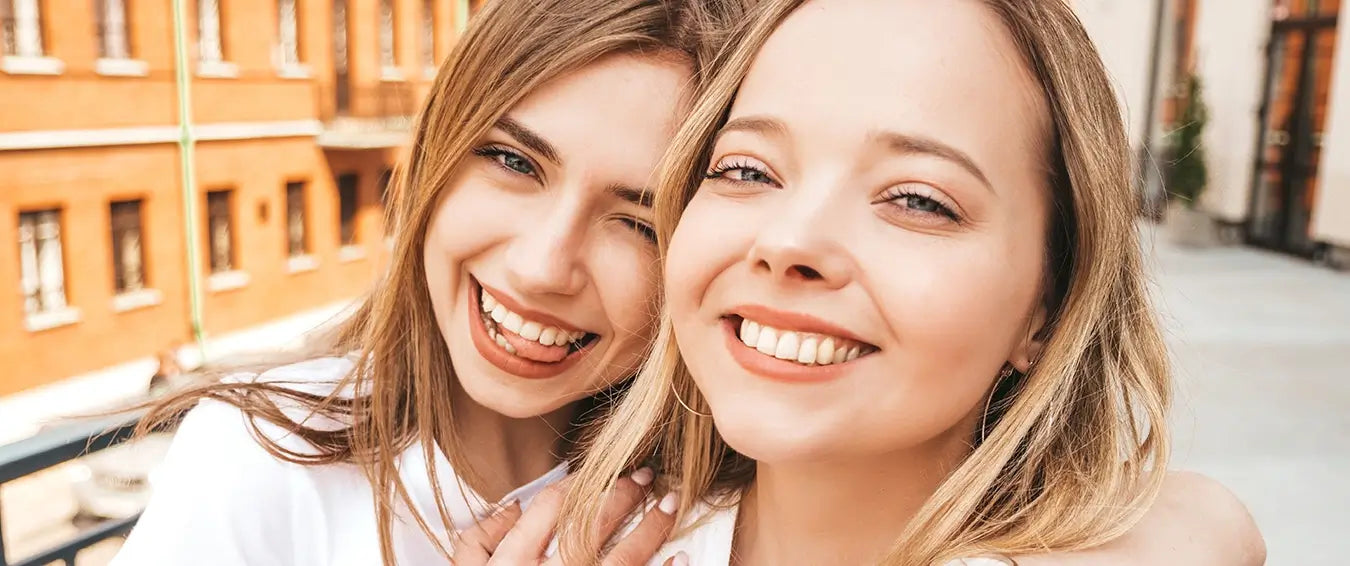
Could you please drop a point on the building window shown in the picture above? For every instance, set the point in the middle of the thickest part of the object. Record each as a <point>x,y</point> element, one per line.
<point>347,183</point>
<point>288,34</point>
<point>388,56</point>
<point>113,39</point>
<point>128,251</point>
<point>428,34</point>
<point>297,242</point>
<point>21,28</point>
<point>220,229</point>
<point>209,49</point>
<point>42,269</point>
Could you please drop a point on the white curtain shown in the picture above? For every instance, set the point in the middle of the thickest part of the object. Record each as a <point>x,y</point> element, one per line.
<point>51,269</point>
<point>115,44</point>
<point>27,28</point>
<point>208,31</point>
<point>289,34</point>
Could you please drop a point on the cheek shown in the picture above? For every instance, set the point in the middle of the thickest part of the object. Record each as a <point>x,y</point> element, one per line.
<point>711,235</point>
<point>624,270</point>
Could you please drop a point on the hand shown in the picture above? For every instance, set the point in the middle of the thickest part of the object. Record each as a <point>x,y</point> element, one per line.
<point>512,538</point>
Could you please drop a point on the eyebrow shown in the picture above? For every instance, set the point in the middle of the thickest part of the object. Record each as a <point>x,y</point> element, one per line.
<point>909,144</point>
<point>528,138</point>
<point>754,125</point>
<point>640,197</point>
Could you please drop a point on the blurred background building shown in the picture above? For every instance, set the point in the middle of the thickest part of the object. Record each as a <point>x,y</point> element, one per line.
<point>265,167</point>
<point>1277,141</point>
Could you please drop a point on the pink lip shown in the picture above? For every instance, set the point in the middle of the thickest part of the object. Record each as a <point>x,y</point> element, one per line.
<point>773,368</point>
<point>505,361</point>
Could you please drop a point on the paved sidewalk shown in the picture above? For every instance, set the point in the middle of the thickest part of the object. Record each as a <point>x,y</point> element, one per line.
<point>1261,345</point>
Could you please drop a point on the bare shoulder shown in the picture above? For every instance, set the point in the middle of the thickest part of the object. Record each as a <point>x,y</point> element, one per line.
<point>1195,521</point>
<point>1222,523</point>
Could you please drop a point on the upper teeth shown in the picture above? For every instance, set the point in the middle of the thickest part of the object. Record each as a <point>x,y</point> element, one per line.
<point>527,329</point>
<point>803,348</point>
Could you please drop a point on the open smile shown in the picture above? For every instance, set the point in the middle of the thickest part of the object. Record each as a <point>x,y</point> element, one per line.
<point>525,343</point>
<point>790,347</point>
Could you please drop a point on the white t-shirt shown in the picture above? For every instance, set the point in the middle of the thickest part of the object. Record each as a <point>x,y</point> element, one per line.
<point>709,542</point>
<point>220,499</point>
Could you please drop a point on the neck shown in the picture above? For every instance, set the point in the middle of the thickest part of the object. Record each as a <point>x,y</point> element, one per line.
<point>506,453</point>
<point>838,511</point>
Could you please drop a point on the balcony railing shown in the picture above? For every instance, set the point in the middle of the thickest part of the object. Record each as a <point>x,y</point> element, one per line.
<point>57,446</point>
<point>365,116</point>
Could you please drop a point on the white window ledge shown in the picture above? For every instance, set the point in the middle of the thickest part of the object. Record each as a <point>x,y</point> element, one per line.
<point>389,243</point>
<point>227,280</point>
<point>217,70</point>
<point>295,71</point>
<point>122,67</point>
<point>301,263</point>
<point>429,73</point>
<point>29,65</point>
<point>46,320</point>
<point>138,299</point>
<point>351,253</point>
<point>388,73</point>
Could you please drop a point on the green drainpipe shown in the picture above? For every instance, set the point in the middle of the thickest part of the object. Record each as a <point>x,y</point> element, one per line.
<point>186,157</point>
<point>461,15</point>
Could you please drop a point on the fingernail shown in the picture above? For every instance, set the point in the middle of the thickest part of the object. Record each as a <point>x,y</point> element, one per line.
<point>667,504</point>
<point>681,559</point>
<point>643,477</point>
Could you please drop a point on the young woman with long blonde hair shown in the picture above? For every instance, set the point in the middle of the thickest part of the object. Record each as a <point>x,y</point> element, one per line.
<point>521,289</point>
<point>909,301</point>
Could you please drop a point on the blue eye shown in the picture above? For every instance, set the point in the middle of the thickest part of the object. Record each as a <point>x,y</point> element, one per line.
<point>508,160</point>
<point>740,171</point>
<point>912,201</point>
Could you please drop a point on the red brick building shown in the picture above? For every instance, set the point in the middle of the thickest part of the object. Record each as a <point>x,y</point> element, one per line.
<point>298,109</point>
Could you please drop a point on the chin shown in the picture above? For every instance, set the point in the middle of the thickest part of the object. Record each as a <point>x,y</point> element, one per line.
<point>516,401</point>
<point>771,435</point>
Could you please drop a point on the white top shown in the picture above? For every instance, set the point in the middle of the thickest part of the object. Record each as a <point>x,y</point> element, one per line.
<point>709,542</point>
<point>220,499</point>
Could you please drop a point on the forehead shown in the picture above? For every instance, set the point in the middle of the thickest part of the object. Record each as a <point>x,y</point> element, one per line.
<point>943,69</point>
<point>621,107</point>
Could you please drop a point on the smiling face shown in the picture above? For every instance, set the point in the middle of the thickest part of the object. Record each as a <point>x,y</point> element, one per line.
<point>867,251</point>
<point>540,258</point>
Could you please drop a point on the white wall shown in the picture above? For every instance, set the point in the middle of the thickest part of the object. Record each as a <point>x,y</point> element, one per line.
<point>1123,32</point>
<point>1331,212</point>
<point>1230,37</point>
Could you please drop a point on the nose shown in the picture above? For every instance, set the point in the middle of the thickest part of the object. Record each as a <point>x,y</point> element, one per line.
<point>545,256</point>
<point>800,244</point>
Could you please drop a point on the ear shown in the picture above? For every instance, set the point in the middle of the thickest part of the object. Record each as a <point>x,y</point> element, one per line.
<point>1029,349</point>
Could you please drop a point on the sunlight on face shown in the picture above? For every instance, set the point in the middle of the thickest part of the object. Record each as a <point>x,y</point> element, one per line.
<point>867,250</point>
<point>540,259</point>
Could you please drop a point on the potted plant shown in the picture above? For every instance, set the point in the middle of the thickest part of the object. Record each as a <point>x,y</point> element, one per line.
<point>1186,175</point>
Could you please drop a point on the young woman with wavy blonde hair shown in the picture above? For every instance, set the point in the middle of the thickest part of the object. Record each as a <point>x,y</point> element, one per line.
<point>910,305</point>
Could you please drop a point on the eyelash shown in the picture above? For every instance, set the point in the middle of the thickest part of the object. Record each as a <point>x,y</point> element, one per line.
<point>722,168</point>
<point>497,153</point>
<point>641,228</point>
<point>895,195</point>
<point>890,196</point>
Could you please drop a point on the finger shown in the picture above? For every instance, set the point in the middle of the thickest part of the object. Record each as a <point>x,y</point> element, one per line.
<point>622,501</point>
<point>641,545</point>
<point>525,543</point>
<point>476,545</point>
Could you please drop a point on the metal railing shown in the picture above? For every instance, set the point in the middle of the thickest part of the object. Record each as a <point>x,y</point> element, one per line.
<point>56,446</point>
<point>382,100</point>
